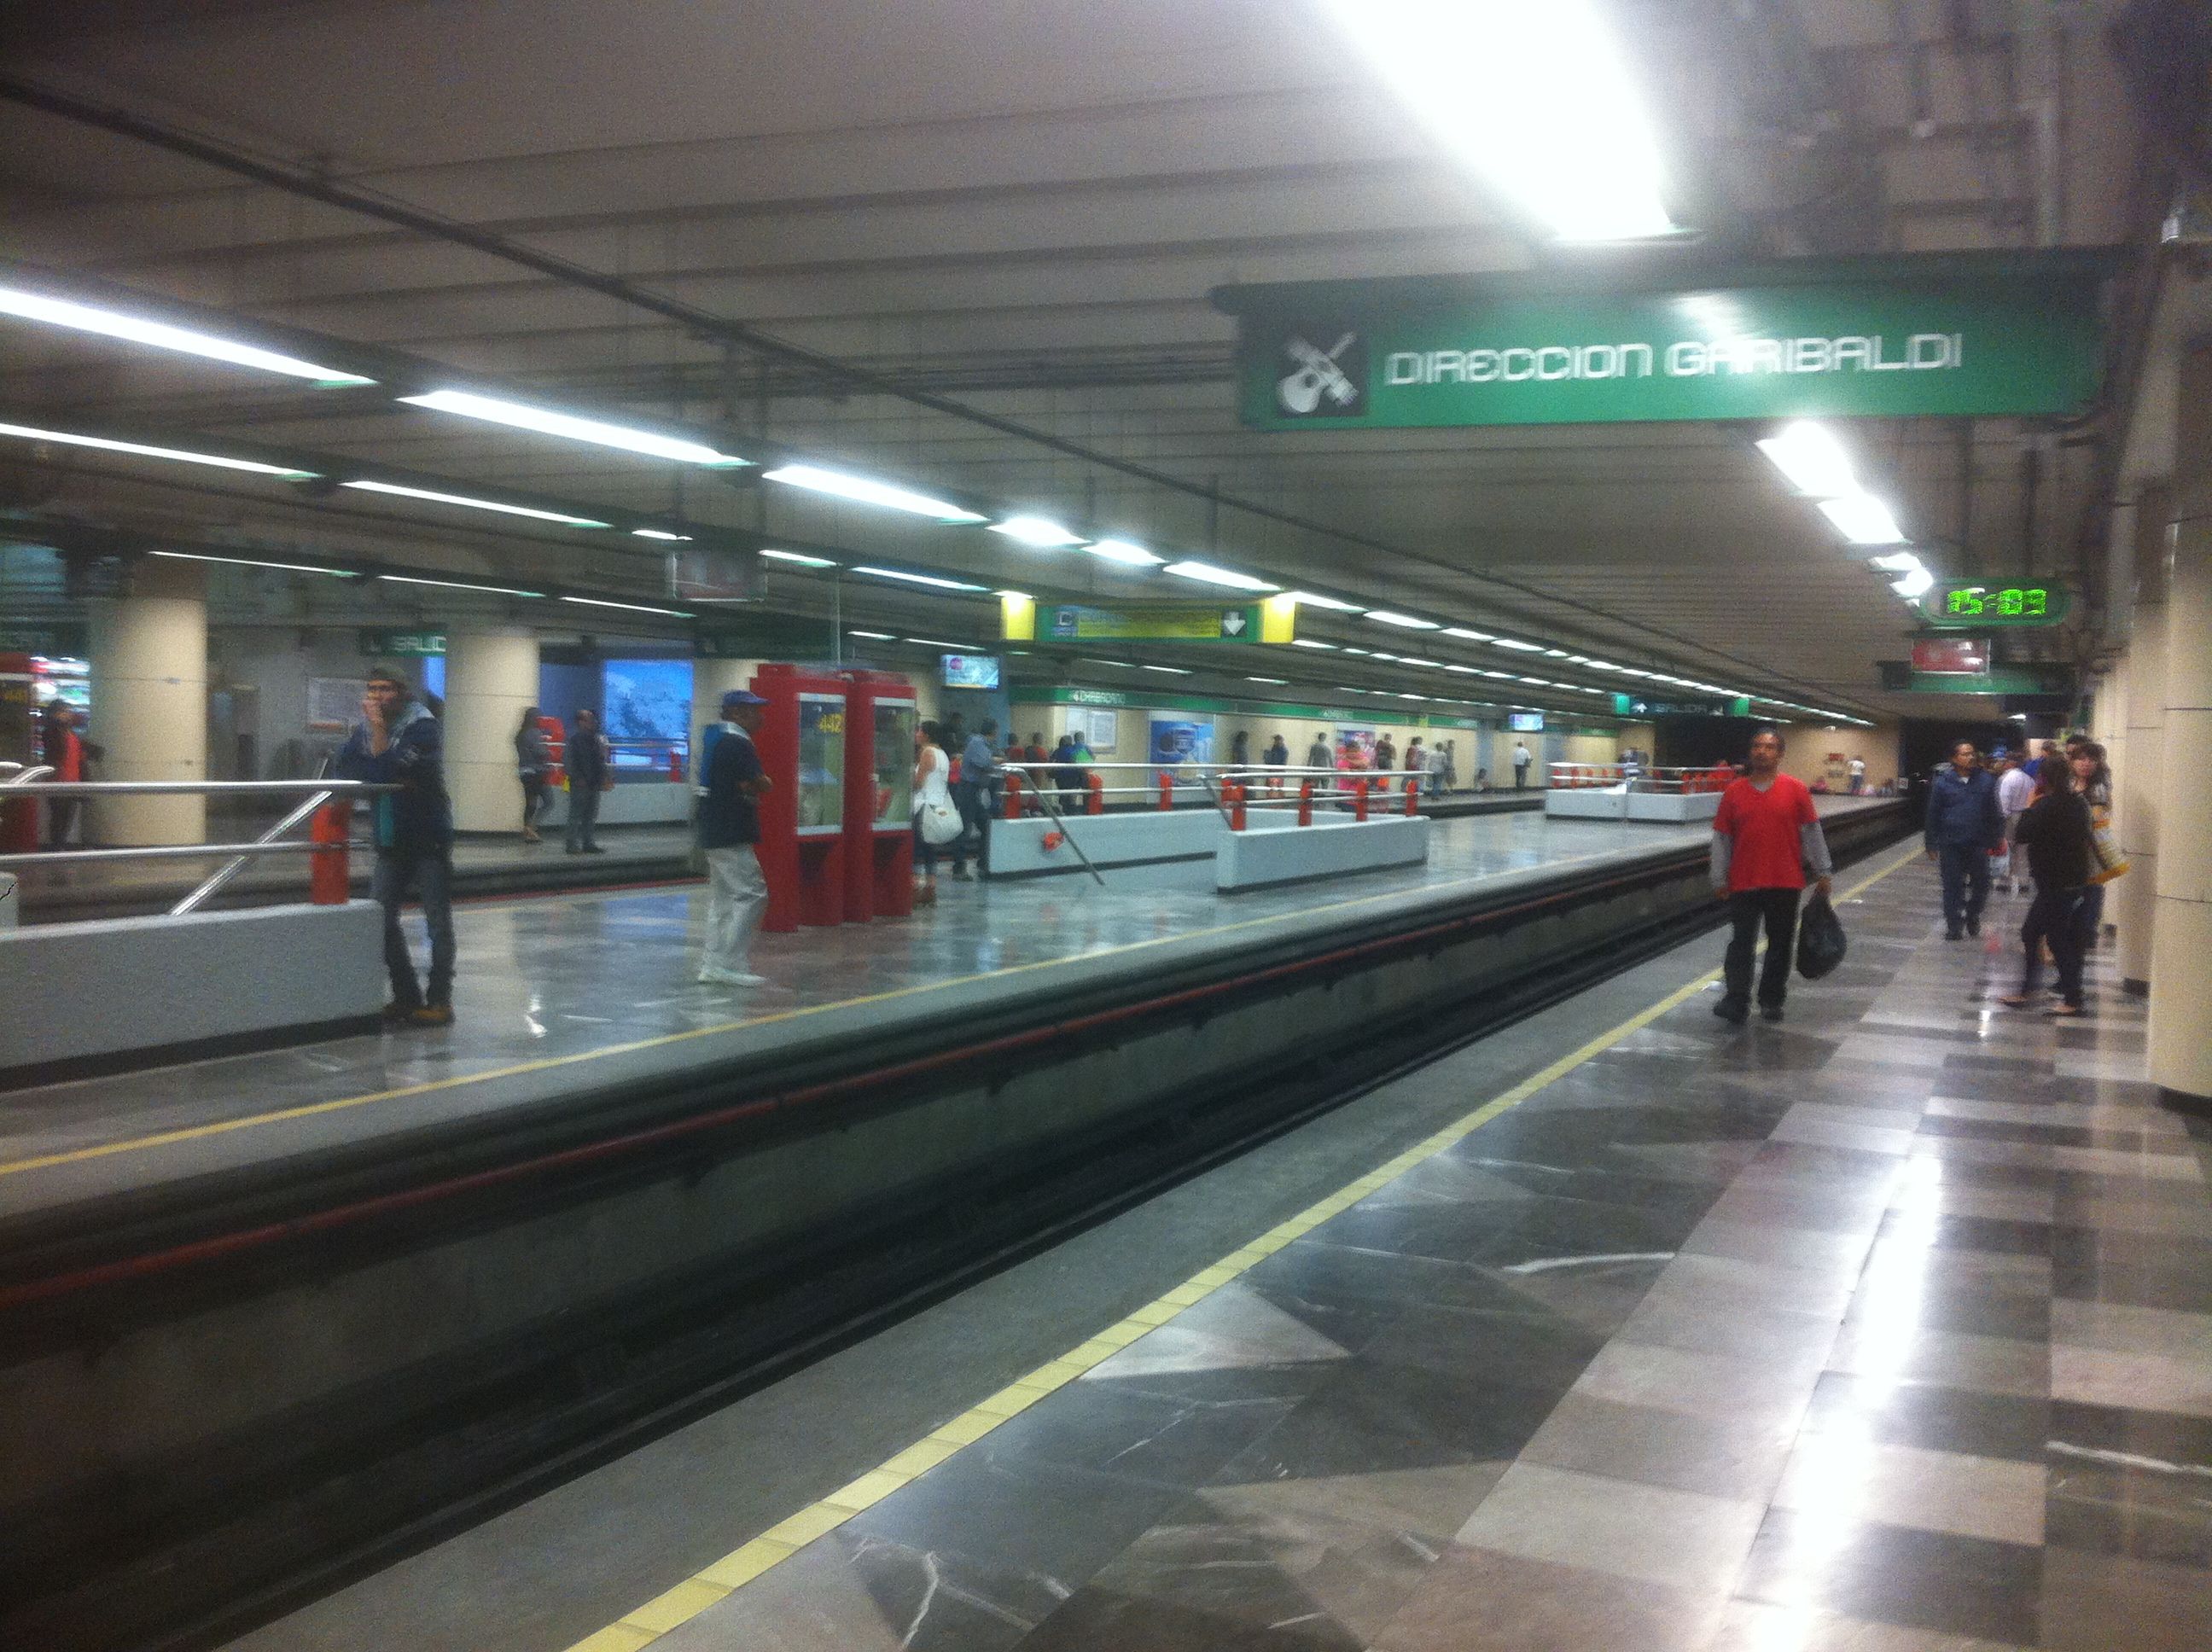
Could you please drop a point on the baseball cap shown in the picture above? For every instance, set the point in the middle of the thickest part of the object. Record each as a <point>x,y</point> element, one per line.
<point>741,697</point>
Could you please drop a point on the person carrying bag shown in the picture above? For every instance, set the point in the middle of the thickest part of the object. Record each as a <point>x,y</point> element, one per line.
<point>937,821</point>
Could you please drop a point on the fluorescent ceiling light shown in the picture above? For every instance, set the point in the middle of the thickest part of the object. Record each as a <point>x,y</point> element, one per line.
<point>798,559</point>
<point>1525,647</point>
<point>138,449</point>
<point>873,637</point>
<point>87,318</point>
<point>546,422</point>
<point>862,491</point>
<point>1913,584</point>
<point>1121,550</point>
<point>1503,677</point>
<point>1901,561</point>
<point>457,585</point>
<point>660,533</point>
<point>1309,600</point>
<point>1464,670</point>
<point>250,562</point>
<point>1814,460</point>
<point>1384,617</point>
<point>1412,659</point>
<point>1864,520</point>
<point>921,578</point>
<point>1571,146</point>
<point>1208,573</point>
<point>1166,671</point>
<point>957,648</point>
<point>1378,654</point>
<point>1555,653</point>
<point>1412,697</point>
<point>1472,636</point>
<point>475,504</point>
<point>1307,642</point>
<point>1277,681</point>
<point>1538,681</point>
<point>631,607</point>
<point>1040,531</point>
<point>1605,665</point>
<point>1024,595</point>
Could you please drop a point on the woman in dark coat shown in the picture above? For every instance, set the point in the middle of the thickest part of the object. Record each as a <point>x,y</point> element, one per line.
<point>2055,830</point>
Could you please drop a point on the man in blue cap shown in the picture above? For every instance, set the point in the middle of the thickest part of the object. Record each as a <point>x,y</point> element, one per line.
<point>729,827</point>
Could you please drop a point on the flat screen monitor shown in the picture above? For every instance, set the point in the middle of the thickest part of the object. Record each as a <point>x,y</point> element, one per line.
<point>1525,722</point>
<point>971,670</point>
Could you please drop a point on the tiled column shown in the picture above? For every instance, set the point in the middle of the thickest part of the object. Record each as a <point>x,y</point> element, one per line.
<point>2133,898</point>
<point>710,680</point>
<point>149,702</point>
<point>2180,1004</point>
<point>490,677</point>
<point>2114,698</point>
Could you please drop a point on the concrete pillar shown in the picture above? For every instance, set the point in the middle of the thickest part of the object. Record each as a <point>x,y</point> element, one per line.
<point>2113,697</point>
<point>149,702</point>
<point>2133,903</point>
<point>490,677</point>
<point>710,680</point>
<point>2180,1004</point>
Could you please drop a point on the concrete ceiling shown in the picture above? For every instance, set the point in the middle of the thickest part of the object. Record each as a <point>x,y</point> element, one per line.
<point>1021,205</point>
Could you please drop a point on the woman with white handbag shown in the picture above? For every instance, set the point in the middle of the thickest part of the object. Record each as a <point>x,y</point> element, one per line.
<point>937,821</point>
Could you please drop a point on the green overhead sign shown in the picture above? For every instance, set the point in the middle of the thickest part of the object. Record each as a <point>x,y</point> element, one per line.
<point>1951,336</point>
<point>380,644</point>
<point>1635,705</point>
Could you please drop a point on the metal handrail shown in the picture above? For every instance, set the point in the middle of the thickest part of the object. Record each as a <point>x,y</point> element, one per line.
<point>206,788</point>
<point>25,772</point>
<point>230,869</point>
<point>161,852</point>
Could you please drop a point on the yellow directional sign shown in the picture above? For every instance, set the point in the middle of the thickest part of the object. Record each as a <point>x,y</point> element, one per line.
<point>1027,620</point>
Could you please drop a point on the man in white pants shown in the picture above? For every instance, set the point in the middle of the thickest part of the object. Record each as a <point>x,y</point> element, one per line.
<point>729,827</point>
<point>2015,790</point>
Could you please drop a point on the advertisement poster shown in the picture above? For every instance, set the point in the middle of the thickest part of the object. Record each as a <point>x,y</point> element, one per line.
<point>1178,743</point>
<point>334,703</point>
<point>1355,748</point>
<point>1104,734</point>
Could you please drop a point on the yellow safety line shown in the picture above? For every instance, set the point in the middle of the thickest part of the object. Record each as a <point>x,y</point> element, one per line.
<point>648,1622</point>
<point>309,1110</point>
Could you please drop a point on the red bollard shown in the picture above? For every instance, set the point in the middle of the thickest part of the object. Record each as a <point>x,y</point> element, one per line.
<point>1305,804</point>
<point>1013,794</point>
<point>1236,798</point>
<point>1167,790</point>
<point>1094,801</point>
<point>329,874</point>
<point>1359,799</point>
<point>1412,796</point>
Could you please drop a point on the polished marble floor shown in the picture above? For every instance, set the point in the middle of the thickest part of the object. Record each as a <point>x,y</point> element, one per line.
<point>558,977</point>
<point>1888,1328</point>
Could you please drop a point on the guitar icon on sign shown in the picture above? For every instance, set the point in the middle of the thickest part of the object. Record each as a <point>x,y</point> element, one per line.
<point>1318,375</point>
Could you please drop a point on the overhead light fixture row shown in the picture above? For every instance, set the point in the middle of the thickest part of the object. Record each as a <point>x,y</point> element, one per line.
<point>143,330</point>
<point>147,449</point>
<point>470,502</point>
<point>550,422</point>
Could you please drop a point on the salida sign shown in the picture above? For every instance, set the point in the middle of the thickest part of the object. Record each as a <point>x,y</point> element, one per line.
<point>1954,337</point>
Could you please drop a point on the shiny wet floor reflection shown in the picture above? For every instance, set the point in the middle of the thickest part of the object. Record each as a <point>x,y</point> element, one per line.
<point>1888,1329</point>
<point>557,975</point>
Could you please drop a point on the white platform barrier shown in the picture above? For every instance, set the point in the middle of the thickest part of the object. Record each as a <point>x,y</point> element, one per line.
<point>1018,846</point>
<point>637,803</point>
<point>1617,802</point>
<point>74,992</point>
<point>1253,860</point>
<point>1677,808</point>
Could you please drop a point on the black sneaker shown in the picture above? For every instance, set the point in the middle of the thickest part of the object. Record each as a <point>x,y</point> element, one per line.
<point>398,1015</point>
<point>1770,1012</point>
<point>1973,926</point>
<point>1733,1011</point>
<point>1954,934</point>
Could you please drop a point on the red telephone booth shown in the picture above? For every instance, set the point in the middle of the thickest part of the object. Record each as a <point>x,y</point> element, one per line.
<point>802,819</point>
<point>879,721</point>
<point>19,744</point>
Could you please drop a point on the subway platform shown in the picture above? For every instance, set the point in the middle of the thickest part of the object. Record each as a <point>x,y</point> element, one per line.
<point>1888,1328</point>
<point>554,992</point>
<point>357,1294</point>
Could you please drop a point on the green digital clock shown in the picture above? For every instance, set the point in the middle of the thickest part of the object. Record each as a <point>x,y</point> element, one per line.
<point>2040,602</point>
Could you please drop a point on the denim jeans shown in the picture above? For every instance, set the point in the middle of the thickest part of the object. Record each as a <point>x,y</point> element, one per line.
<point>2054,916</point>
<point>974,803</point>
<point>432,876</point>
<point>1966,868</point>
<point>583,816</point>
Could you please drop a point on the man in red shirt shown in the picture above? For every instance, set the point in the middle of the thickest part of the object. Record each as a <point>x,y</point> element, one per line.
<point>1766,833</point>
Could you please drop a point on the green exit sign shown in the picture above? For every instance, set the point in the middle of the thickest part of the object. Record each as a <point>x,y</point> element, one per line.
<point>1998,602</point>
<point>379,644</point>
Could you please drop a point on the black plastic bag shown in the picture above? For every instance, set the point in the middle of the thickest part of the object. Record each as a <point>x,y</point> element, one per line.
<point>1822,942</point>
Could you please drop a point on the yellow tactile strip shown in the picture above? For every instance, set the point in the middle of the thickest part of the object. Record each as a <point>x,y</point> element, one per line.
<point>646,1624</point>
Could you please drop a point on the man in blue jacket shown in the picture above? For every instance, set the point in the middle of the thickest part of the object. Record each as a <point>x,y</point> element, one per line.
<point>1965,823</point>
<point>398,743</point>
